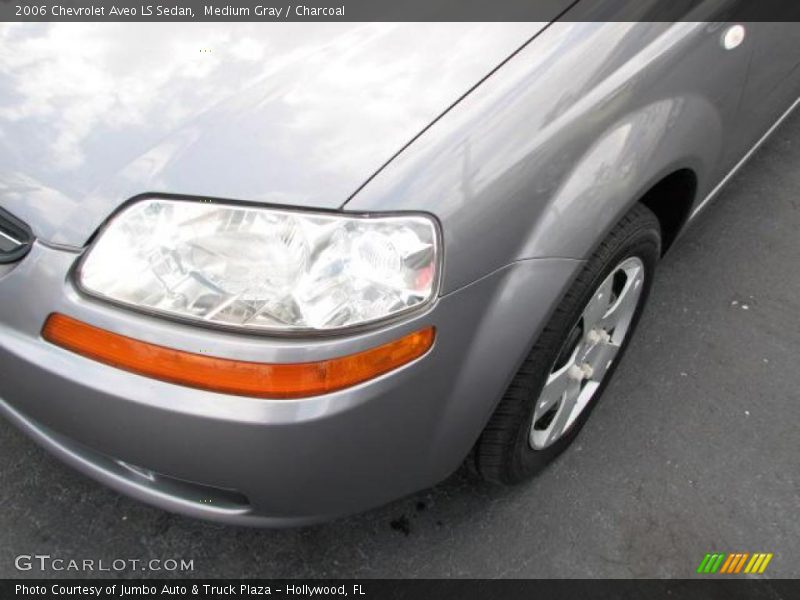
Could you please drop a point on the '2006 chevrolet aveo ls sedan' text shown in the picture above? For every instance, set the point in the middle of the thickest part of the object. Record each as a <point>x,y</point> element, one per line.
<point>322,265</point>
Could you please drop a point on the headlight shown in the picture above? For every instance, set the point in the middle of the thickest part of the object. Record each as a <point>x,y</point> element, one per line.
<point>263,268</point>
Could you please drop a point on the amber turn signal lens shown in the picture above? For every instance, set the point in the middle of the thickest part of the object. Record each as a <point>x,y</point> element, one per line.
<point>227,376</point>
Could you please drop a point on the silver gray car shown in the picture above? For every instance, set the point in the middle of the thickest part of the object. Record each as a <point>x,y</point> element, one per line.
<point>271,274</point>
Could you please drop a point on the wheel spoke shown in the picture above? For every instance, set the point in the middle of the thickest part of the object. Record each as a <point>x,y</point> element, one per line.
<point>621,312</point>
<point>600,358</point>
<point>562,418</point>
<point>553,391</point>
<point>598,306</point>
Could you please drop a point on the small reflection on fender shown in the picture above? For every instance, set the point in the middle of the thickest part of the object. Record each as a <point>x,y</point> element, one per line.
<point>733,37</point>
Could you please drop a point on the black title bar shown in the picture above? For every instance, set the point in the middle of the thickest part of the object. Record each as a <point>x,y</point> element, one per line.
<point>397,10</point>
<point>398,589</point>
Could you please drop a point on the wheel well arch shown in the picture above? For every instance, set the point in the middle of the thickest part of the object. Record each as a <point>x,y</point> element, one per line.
<point>671,199</point>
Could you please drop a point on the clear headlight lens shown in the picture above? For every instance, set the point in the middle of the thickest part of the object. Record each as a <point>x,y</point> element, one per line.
<point>263,268</point>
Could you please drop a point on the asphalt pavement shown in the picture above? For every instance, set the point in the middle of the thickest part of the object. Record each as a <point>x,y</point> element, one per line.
<point>695,447</point>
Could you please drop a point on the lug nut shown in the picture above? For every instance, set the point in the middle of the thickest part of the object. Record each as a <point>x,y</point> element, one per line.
<point>597,336</point>
<point>581,372</point>
<point>575,372</point>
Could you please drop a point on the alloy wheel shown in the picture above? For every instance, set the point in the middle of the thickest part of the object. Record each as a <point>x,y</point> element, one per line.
<point>588,353</point>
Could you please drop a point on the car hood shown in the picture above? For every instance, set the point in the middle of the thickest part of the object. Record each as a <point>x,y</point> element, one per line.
<point>293,113</point>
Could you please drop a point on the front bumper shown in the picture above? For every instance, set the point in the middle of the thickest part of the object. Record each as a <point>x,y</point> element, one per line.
<point>266,462</point>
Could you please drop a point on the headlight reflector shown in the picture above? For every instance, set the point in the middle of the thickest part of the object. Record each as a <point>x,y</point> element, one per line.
<point>263,268</point>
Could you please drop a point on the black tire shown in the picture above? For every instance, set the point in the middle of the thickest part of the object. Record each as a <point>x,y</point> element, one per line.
<point>502,453</point>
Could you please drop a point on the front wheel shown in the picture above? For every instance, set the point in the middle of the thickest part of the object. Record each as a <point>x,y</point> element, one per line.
<point>561,380</point>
